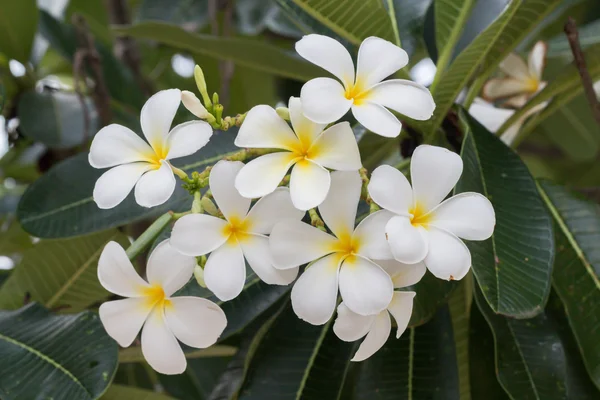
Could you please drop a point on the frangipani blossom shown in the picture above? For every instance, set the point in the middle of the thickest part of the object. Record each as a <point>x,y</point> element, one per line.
<point>345,260</point>
<point>241,235</point>
<point>350,326</point>
<point>195,321</point>
<point>425,228</point>
<point>306,148</point>
<point>326,100</point>
<point>135,163</point>
<point>194,105</point>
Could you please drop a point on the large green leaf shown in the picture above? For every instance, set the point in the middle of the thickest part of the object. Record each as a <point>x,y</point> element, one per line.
<point>514,266</point>
<point>198,380</point>
<point>410,17</point>
<point>13,239</point>
<point>120,392</point>
<point>18,24</point>
<point>431,294</point>
<point>459,305</point>
<point>191,13</point>
<point>44,356</point>
<point>577,267</point>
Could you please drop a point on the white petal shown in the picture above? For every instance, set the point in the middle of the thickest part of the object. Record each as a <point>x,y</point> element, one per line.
<point>314,294</point>
<point>405,97</point>
<point>376,337</point>
<point>115,144</point>
<point>193,104</point>
<point>378,59</point>
<point>198,234</point>
<point>116,273</point>
<point>537,59</point>
<point>271,209</point>
<point>467,215</point>
<point>195,321</point>
<point>157,116</point>
<point>401,309</point>
<point>365,287</point>
<point>294,243</point>
<point>328,54</point>
<point>370,234</point>
<point>225,271</point>
<point>350,326</point>
<point>408,243</point>
<point>222,184</point>
<point>262,175</point>
<point>489,116</point>
<point>263,128</point>
<point>390,189</point>
<point>324,100</point>
<point>155,187</point>
<point>499,88</point>
<point>159,346</point>
<point>336,148</point>
<point>514,66</point>
<point>402,274</point>
<point>448,257</point>
<point>114,185</point>
<point>306,130</point>
<point>187,138</point>
<point>434,172</point>
<point>169,268</point>
<point>340,206</point>
<point>377,119</point>
<point>309,185</point>
<point>124,318</point>
<point>257,253</point>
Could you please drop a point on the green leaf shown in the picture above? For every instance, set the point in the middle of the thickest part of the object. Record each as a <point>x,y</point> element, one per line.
<point>460,310</point>
<point>18,24</point>
<point>62,357</point>
<point>60,273</point>
<point>589,35</point>
<point>2,96</point>
<point>198,380</point>
<point>431,294</point>
<point>13,239</point>
<point>192,13</point>
<point>514,266</point>
<point>576,268</point>
<point>120,392</point>
<point>134,354</point>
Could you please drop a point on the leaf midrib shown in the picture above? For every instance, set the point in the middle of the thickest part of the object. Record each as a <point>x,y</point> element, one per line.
<point>327,22</point>
<point>525,365</point>
<point>312,358</point>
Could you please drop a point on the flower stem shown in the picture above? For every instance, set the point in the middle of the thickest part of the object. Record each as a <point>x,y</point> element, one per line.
<point>146,238</point>
<point>315,220</point>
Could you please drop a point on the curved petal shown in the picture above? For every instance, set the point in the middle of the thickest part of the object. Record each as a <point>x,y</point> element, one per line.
<point>401,309</point>
<point>169,268</point>
<point>124,318</point>
<point>499,88</point>
<point>187,138</point>
<point>116,144</point>
<point>448,257</point>
<point>157,116</point>
<point>328,54</point>
<point>155,187</point>
<point>434,172</point>
<point>390,189</point>
<point>336,148</point>
<point>306,130</point>
<point>365,287</point>
<point>378,59</point>
<point>193,104</point>
<point>198,234</point>
<point>271,209</point>
<point>468,215</point>
<point>376,338</point>
<point>222,185</point>
<point>340,206</point>
<point>195,321</point>
<point>350,326</point>
<point>405,97</point>
<point>370,236</point>
<point>408,243</point>
<point>159,346</point>
<point>537,60</point>
<point>114,185</point>
<point>294,243</point>
<point>377,119</point>
<point>116,273</point>
<point>324,100</point>
<point>514,66</point>
<point>264,129</point>
<point>225,271</point>
<point>489,116</point>
<point>262,175</point>
<point>257,253</point>
<point>314,294</point>
<point>309,185</point>
<point>403,275</point>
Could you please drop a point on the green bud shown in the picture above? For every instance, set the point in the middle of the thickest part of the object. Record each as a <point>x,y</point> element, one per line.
<point>209,206</point>
<point>215,98</point>
<point>197,204</point>
<point>201,83</point>
<point>218,113</point>
<point>283,112</point>
<point>199,275</point>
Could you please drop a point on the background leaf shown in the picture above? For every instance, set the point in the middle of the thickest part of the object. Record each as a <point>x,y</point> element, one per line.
<point>120,392</point>
<point>18,24</point>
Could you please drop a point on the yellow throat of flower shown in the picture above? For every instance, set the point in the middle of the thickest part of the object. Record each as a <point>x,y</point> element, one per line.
<point>155,296</point>
<point>356,92</point>
<point>419,216</point>
<point>237,229</point>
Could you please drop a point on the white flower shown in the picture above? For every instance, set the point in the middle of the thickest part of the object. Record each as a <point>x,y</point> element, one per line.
<point>426,228</point>
<point>307,148</point>
<point>193,105</point>
<point>195,321</point>
<point>350,326</point>
<point>344,260</point>
<point>326,100</point>
<point>241,235</point>
<point>141,165</point>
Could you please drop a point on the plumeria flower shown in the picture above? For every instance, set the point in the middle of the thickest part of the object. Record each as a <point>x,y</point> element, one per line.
<point>307,148</point>
<point>326,100</point>
<point>149,307</point>
<point>425,228</point>
<point>241,235</point>
<point>194,105</point>
<point>350,326</point>
<point>135,163</point>
<point>345,260</point>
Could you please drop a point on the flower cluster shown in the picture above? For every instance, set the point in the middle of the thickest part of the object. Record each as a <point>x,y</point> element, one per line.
<point>414,231</point>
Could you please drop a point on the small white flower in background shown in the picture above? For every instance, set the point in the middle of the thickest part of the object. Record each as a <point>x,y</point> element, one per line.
<point>350,326</point>
<point>307,148</point>
<point>426,228</point>
<point>240,236</point>
<point>326,100</point>
<point>138,164</point>
<point>149,307</point>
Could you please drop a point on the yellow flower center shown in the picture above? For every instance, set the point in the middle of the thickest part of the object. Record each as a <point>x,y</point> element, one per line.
<point>356,92</point>
<point>159,154</point>
<point>347,246</point>
<point>237,229</point>
<point>419,216</point>
<point>532,85</point>
<point>155,296</point>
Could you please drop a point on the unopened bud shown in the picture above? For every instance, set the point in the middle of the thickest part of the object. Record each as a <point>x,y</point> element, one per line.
<point>209,206</point>
<point>199,275</point>
<point>201,83</point>
<point>193,104</point>
<point>283,112</point>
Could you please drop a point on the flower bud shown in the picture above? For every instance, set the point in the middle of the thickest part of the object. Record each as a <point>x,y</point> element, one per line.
<point>201,83</point>
<point>209,206</point>
<point>199,275</point>
<point>283,112</point>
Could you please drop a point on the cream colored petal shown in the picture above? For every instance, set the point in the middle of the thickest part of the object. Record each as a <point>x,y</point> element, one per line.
<point>264,129</point>
<point>499,88</point>
<point>262,175</point>
<point>370,236</point>
<point>448,257</point>
<point>258,255</point>
<point>537,60</point>
<point>514,66</point>
<point>155,187</point>
<point>390,189</point>
<point>378,59</point>
<point>401,308</point>
<point>157,116</point>
<point>468,215</point>
<point>168,268</point>
<point>377,119</point>
<point>324,100</point>
<point>405,97</point>
<point>198,234</point>
<point>328,54</point>
<point>195,321</point>
<point>116,144</point>
<point>309,185</point>
<point>116,273</point>
<point>187,138</point>
<point>336,148</point>
<point>350,326</point>
<point>340,206</point>
<point>402,274</point>
<point>222,185</point>
<point>160,347</point>
<point>225,271</point>
<point>114,185</point>
<point>193,104</point>
<point>123,319</point>
<point>306,130</point>
<point>365,287</point>
<point>271,209</point>
<point>376,338</point>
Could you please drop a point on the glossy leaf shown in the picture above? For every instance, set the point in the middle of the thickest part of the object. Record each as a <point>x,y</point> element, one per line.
<point>459,304</point>
<point>410,17</point>
<point>192,14</point>
<point>134,354</point>
<point>13,239</point>
<point>198,380</point>
<point>431,294</point>
<point>292,20</point>
<point>18,24</point>
<point>120,392</point>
